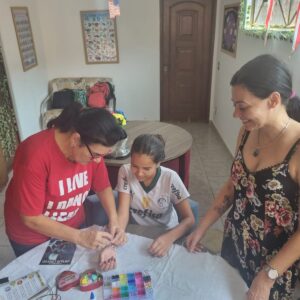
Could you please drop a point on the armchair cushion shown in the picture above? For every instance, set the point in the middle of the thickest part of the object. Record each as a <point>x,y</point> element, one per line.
<point>49,115</point>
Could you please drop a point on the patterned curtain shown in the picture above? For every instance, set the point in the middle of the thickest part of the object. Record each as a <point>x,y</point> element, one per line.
<point>9,137</point>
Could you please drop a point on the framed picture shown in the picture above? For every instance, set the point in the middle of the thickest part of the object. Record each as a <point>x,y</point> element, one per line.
<point>99,37</point>
<point>21,20</point>
<point>230,29</point>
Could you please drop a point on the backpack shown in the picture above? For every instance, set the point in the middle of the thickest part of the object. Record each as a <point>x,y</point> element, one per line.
<point>101,94</point>
<point>97,94</point>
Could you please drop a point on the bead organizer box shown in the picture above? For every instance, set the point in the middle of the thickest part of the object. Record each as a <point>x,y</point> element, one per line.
<point>133,286</point>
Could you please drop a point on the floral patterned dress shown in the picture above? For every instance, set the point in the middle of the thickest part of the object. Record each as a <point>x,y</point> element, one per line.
<point>263,217</point>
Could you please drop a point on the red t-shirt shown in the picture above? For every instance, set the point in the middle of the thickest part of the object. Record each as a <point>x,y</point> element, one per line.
<point>45,182</point>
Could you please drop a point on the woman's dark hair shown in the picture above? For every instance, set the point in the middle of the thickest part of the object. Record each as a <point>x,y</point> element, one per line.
<point>150,144</point>
<point>266,74</point>
<point>95,125</point>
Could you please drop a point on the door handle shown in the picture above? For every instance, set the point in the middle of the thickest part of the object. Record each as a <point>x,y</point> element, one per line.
<point>166,69</point>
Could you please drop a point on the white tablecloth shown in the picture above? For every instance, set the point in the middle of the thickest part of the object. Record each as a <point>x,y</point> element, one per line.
<point>180,275</point>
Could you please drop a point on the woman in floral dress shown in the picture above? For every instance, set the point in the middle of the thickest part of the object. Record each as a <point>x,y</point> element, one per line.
<point>261,236</point>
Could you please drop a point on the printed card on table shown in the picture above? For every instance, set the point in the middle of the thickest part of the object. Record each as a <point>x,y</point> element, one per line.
<point>58,252</point>
<point>26,287</point>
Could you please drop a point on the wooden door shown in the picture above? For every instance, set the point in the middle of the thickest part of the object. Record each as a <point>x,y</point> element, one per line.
<point>187,34</point>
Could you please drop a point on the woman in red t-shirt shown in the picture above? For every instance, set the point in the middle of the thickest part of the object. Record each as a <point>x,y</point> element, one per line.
<point>53,173</point>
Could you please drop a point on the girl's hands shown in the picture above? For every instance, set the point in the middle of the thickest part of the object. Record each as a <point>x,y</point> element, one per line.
<point>107,259</point>
<point>260,287</point>
<point>160,246</point>
<point>120,237</point>
<point>192,241</point>
<point>118,234</point>
<point>93,238</point>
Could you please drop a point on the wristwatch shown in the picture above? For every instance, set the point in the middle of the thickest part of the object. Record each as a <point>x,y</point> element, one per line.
<point>271,273</point>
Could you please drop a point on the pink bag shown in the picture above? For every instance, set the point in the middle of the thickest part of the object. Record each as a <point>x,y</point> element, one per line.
<point>97,94</point>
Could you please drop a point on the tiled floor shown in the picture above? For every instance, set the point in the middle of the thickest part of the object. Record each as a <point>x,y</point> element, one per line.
<point>210,167</point>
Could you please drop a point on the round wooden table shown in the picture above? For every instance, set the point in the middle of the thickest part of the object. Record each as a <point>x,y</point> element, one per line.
<point>177,149</point>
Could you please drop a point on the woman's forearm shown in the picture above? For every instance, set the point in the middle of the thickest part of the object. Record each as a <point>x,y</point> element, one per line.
<point>182,228</point>
<point>288,254</point>
<point>90,237</point>
<point>222,202</point>
<point>51,228</point>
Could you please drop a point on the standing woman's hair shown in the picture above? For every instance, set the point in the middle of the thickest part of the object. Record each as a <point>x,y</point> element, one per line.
<point>95,125</point>
<point>150,144</point>
<point>266,74</point>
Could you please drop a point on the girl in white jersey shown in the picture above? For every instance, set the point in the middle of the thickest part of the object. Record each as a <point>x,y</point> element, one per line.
<point>150,194</point>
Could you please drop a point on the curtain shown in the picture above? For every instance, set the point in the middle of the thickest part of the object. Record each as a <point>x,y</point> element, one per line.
<point>9,137</point>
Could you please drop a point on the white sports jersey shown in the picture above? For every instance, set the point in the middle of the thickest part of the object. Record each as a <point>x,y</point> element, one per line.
<point>154,207</point>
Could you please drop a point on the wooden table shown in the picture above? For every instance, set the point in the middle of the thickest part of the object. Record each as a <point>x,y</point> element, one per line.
<point>177,149</point>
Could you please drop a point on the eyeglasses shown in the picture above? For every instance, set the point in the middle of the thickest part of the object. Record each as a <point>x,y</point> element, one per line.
<point>93,155</point>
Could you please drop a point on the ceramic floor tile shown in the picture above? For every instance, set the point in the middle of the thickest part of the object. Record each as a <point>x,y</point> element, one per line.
<point>204,203</point>
<point>216,183</point>
<point>3,237</point>
<point>198,193</point>
<point>214,154</point>
<point>7,255</point>
<point>207,142</point>
<point>196,166</point>
<point>217,168</point>
<point>209,157</point>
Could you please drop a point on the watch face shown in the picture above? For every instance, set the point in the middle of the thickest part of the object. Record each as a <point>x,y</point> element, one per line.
<point>273,274</point>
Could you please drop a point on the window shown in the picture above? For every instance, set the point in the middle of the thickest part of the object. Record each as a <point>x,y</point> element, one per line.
<point>282,24</point>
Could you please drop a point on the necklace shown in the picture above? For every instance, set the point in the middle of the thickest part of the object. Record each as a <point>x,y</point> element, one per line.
<point>256,151</point>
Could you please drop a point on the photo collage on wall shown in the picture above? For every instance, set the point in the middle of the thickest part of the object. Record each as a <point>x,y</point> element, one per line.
<point>100,37</point>
<point>24,36</point>
<point>230,29</point>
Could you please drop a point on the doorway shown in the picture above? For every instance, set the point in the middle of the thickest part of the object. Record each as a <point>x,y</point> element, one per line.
<point>187,35</point>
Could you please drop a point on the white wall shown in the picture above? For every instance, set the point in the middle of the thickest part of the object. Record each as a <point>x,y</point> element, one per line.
<point>247,48</point>
<point>27,88</point>
<point>58,39</point>
<point>136,77</point>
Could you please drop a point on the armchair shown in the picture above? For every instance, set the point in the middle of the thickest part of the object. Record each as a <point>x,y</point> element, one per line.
<point>75,83</point>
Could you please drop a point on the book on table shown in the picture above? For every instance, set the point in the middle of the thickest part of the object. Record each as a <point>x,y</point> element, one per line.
<point>58,252</point>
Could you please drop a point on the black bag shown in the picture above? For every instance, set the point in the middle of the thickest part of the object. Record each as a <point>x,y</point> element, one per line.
<point>62,98</point>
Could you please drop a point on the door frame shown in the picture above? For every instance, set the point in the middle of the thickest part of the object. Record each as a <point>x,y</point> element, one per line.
<point>211,59</point>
